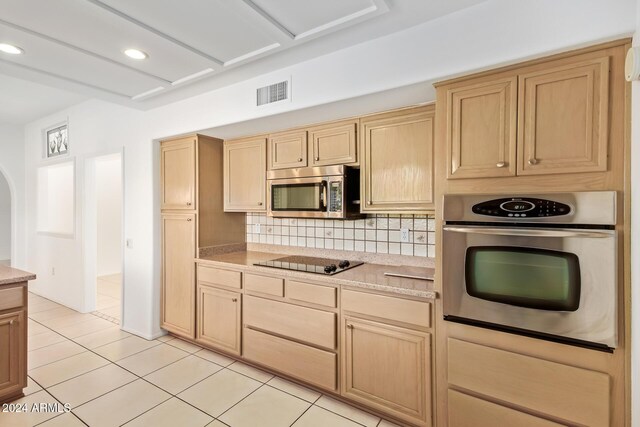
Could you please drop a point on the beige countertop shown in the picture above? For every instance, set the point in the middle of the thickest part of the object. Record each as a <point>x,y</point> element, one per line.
<point>10,275</point>
<point>366,276</point>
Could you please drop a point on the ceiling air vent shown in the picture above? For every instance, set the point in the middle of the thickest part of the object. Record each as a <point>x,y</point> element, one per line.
<point>272,93</point>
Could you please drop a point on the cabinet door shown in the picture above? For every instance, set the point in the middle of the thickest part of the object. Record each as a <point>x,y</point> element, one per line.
<point>178,273</point>
<point>481,129</point>
<point>333,144</point>
<point>12,353</point>
<point>397,161</point>
<point>178,174</point>
<point>388,368</point>
<point>288,150</point>
<point>245,180</point>
<point>563,119</point>
<point>219,318</point>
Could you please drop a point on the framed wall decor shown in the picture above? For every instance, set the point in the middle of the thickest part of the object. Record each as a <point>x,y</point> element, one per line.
<point>57,140</point>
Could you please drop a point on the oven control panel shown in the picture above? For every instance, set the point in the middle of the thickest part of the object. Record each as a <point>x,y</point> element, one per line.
<point>515,207</point>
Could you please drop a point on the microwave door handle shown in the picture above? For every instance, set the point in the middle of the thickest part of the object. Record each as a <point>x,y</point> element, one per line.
<point>530,232</point>
<point>323,195</point>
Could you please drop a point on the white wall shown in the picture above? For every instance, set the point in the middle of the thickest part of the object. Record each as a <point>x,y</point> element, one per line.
<point>12,158</point>
<point>5,219</point>
<point>490,34</point>
<point>108,177</point>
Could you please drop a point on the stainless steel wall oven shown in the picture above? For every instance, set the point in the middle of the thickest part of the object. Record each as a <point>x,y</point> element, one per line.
<point>542,265</point>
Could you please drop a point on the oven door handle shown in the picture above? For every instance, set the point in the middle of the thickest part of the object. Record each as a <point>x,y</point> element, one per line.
<point>530,232</point>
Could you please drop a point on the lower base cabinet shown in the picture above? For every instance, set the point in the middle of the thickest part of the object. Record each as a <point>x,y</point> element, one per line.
<point>219,315</point>
<point>468,411</point>
<point>13,371</point>
<point>388,368</point>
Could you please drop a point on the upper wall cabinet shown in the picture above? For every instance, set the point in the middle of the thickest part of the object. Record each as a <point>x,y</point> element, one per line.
<point>333,144</point>
<point>397,161</point>
<point>178,174</point>
<point>287,150</point>
<point>563,118</point>
<point>546,118</point>
<point>245,181</point>
<point>481,124</point>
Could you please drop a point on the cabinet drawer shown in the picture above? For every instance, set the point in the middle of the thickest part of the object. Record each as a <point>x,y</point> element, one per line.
<point>573,394</point>
<point>264,285</point>
<point>468,411</point>
<point>217,276</point>
<point>11,298</point>
<point>300,323</point>
<point>315,294</point>
<point>402,310</point>
<point>306,363</point>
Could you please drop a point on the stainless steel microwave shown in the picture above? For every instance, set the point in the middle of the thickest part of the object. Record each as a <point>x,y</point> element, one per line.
<point>319,192</point>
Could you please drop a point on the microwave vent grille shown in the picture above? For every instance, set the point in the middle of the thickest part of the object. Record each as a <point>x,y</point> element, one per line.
<point>272,93</point>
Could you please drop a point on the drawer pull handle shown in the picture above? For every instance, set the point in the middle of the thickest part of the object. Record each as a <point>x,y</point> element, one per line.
<point>533,161</point>
<point>501,164</point>
<point>350,326</point>
<point>234,299</point>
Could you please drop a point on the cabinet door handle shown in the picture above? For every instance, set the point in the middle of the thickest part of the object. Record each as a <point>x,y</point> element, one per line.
<point>317,159</point>
<point>300,159</point>
<point>349,326</point>
<point>234,299</point>
<point>259,203</point>
<point>501,164</point>
<point>533,161</point>
<point>11,322</point>
<point>369,202</point>
<point>189,219</point>
<point>188,203</point>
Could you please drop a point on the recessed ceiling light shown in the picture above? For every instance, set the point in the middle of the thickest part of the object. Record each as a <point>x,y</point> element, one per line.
<point>10,49</point>
<point>136,54</point>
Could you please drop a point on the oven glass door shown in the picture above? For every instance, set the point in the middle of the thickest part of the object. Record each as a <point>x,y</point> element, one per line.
<point>526,277</point>
<point>544,282</point>
<point>306,197</point>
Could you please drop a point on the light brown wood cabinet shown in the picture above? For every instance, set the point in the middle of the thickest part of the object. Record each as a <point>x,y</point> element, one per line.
<point>192,218</point>
<point>333,144</point>
<point>13,353</point>
<point>218,322</point>
<point>481,129</point>
<point>245,175</point>
<point>178,174</point>
<point>541,119</point>
<point>288,150</point>
<point>388,368</point>
<point>397,161</point>
<point>178,274</point>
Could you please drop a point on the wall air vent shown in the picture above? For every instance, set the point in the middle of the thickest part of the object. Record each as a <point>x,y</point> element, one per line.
<point>273,93</point>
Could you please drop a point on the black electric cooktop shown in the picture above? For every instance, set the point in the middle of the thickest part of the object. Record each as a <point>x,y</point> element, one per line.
<point>307,264</point>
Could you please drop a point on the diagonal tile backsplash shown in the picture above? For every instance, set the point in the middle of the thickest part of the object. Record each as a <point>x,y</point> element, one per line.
<point>376,233</point>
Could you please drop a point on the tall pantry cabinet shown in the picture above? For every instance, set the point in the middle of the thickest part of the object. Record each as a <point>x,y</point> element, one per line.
<point>191,170</point>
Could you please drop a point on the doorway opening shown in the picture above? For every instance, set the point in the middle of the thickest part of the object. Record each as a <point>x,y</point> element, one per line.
<point>108,194</point>
<point>5,221</point>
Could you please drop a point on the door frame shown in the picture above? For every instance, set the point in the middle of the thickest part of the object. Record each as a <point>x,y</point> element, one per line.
<point>14,214</point>
<point>90,232</point>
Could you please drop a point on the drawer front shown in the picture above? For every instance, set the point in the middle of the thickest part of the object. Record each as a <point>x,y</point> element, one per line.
<point>468,411</point>
<point>11,298</point>
<point>264,285</point>
<point>573,394</point>
<point>220,277</point>
<point>402,310</point>
<point>300,323</point>
<point>306,363</point>
<point>314,294</point>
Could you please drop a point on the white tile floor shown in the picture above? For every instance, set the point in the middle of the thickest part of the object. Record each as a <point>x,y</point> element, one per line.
<point>112,378</point>
<point>108,298</point>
